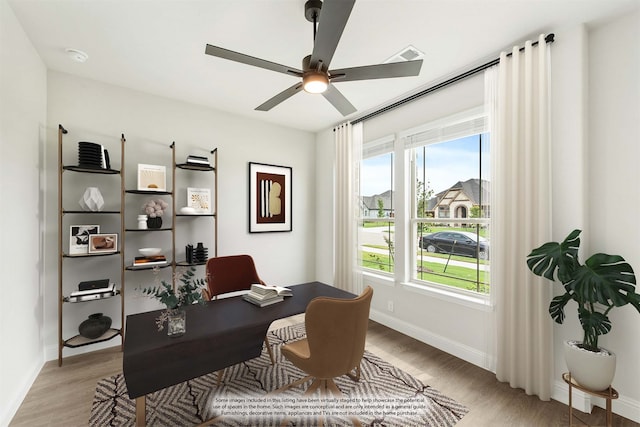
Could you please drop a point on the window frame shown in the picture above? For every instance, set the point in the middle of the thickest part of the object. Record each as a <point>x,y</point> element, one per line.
<point>378,147</point>
<point>470,122</point>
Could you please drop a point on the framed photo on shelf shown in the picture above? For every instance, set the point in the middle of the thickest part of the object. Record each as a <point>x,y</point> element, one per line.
<point>103,243</point>
<point>199,199</point>
<point>152,177</point>
<point>269,198</point>
<point>79,238</point>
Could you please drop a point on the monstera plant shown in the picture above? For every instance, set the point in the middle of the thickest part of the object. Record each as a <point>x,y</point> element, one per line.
<point>597,286</point>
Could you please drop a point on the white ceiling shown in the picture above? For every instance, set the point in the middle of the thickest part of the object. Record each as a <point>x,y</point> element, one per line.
<point>157,46</point>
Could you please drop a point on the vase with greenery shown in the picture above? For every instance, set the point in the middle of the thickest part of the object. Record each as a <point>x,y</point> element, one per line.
<point>602,283</point>
<point>175,299</point>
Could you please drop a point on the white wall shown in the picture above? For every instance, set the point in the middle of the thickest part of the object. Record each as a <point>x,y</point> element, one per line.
<point>595,127</point>
<point>22,116</point>
<point>88,108</point>
<point>614,150</point>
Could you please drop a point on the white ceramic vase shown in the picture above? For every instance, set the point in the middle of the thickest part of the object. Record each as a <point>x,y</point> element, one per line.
<point>92,200</point>
<point>594,371</point>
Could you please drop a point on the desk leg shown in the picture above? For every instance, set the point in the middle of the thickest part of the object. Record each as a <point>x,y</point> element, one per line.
<point>141,411</point>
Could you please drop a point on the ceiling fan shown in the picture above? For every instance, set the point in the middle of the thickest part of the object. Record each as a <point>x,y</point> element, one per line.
<point>329,19</point>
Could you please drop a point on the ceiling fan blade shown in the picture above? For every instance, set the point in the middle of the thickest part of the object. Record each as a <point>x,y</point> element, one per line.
<point>282,96</point>
<point>337,99</point>
<point>250,60</point>
<point>333,18</point>
<point>380,71</point>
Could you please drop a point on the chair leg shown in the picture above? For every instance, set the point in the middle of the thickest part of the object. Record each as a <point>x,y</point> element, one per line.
<point>220,375</point>
<point>291,385</point>
<point>355,377</point>
<point>266,343</point>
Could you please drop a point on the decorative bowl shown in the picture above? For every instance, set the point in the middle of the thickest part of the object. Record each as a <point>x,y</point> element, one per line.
<point>187,210</point>
<point>150,251</point>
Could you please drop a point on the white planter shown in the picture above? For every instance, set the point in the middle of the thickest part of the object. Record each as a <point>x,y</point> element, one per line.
<point>594,371</point>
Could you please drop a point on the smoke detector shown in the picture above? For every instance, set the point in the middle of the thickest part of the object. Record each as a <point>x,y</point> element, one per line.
<point>77,55</point>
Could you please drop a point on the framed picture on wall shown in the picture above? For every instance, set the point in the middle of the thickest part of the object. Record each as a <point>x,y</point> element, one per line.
<point>103,243</point>
<point>269,198</point>
<point>79,238</point>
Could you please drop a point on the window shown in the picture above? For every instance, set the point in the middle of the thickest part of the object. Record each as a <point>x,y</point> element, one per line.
<point>377,207</point>
<point>449,166</point>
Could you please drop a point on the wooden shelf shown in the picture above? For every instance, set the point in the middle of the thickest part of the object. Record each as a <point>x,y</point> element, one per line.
<point>89,212</point>
<point>89,255</point>
<point>149,192</point>
<point>192,167</point>
<point>146,230</point>
<point>67,311</point>
<point>187,264</point>
<point>80,341</point>
<point>91,170</point>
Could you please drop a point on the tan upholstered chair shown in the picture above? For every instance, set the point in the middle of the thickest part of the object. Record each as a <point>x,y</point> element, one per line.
<point>232,273</point>
<point>334,346</point>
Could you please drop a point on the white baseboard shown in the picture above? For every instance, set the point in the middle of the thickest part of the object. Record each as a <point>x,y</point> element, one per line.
<point>583,402</point>
<point>8,411</point>
<point>445,344</point>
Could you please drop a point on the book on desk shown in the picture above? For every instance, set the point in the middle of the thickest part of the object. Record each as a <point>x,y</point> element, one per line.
<point>263,295</point>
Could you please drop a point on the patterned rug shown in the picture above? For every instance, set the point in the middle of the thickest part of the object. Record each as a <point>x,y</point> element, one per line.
<point>384,396</point>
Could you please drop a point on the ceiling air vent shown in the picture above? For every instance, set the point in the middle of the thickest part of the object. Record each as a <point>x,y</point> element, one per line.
<point>409,53</point>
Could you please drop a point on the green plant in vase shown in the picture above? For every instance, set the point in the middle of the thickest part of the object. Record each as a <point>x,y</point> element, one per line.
<point>601,284</point>
<point>188,292</point>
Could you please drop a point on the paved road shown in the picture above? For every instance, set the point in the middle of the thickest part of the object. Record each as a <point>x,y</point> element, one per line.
<point>374,236</point>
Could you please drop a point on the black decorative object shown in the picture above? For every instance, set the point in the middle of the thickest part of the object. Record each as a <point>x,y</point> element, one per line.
<point>94,326</point>
<point>189,253</point>
<point>200,254</point>
<point>154,222</point>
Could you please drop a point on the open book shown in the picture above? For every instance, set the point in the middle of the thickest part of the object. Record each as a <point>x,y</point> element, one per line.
<point>270,291</point>
<point>263,295</point>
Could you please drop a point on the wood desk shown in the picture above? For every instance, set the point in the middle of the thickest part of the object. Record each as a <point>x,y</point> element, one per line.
<point>219,334</point>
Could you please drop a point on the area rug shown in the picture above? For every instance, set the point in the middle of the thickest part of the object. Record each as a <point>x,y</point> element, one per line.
<point>384,396</point>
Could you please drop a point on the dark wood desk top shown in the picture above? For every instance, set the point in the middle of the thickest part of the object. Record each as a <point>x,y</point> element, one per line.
<point>219,334</point>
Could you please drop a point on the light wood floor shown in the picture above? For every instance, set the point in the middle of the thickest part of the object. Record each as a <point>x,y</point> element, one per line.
<point>62,396</point>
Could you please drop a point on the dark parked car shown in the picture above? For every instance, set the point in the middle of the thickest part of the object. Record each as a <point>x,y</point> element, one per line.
<point>456,242</point>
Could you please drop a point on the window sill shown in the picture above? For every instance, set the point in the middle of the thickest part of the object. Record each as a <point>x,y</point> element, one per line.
<point>379,278</point>
<point>476,302</point>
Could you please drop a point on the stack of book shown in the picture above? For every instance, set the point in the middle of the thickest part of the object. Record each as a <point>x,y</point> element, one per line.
<point>149,261</point>
<point>197,160</point>
<point>263,295</point>
<point>88,291</point>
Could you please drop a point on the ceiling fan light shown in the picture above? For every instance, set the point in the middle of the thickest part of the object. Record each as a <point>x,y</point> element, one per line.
<point>315,82</point>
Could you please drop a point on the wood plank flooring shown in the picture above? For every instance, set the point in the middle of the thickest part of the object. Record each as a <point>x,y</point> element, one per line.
<point>62,396</point>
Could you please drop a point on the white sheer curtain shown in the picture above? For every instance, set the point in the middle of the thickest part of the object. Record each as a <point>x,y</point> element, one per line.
<point>521,217</point>
<point>348,140</point>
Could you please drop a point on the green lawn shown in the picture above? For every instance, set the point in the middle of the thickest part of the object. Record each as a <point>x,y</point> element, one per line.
<point>456,276</point>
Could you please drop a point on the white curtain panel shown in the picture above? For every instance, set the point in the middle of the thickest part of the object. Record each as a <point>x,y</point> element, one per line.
<point>521,217</point>
<point>348,140</point>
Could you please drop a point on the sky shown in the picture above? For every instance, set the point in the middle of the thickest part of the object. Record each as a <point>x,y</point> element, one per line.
<point>446,163</point>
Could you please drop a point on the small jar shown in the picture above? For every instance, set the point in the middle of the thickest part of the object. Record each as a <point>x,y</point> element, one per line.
<point>142,222</point>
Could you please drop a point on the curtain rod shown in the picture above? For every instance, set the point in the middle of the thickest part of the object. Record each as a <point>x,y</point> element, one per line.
<point>549,39</point>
